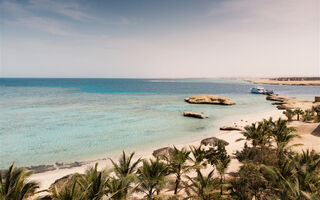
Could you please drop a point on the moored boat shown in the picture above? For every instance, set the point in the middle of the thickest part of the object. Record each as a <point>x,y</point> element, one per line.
<point>261,90</point>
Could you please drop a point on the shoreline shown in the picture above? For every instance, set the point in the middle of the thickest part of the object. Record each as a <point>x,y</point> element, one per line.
<point>46,178</point>
<point>269,81</point>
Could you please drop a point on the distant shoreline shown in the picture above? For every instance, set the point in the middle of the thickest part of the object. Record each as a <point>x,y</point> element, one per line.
<point>285,81</point>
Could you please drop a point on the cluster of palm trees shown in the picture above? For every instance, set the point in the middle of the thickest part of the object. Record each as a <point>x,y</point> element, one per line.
<point>269,170</point>
<point>307,115</point>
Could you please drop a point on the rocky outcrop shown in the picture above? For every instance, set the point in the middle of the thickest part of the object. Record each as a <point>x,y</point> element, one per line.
<point>278,103</point>
<point>275,98</point>
<point>213,141</point>
<point>230,128</point>
<point>71,165</point>
<point>284,103</point>
<point>209,99</point>
<point>193,114</point>
<point>285,107</point>
<point>41,168</point>
<point>63,182</point>
<point>166,151</point>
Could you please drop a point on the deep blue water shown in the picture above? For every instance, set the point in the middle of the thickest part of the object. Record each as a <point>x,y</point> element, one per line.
<point>156,86</point>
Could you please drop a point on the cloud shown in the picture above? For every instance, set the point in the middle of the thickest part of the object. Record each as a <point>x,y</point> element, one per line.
<point>35,15</point>
<point>267,13</point>
<point>67,9</point>
<point>48,25</point>
<point>22,16</point>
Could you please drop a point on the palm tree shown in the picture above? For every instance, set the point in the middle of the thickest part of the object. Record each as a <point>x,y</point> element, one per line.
<point>308,115</point>
<point>203,186</point>
<point>258,133</point>
<point>283,134</point>
<point>199,155</point>
<point>297,177</point>
<point>289,114</point>
<point>14,184</point>
<point>219,158</point>
<point>126,166</point>
<point>279,177</point>
<point>238,189</point>
<point>293,178</point>
<point>221,166</point>
<point>177,163</point>
<point>117,188</point>
<point>316,109</point>
<point>151,177</point>
<point>93,183</point>
<point>125,171</point>
<point>67,193</point>
<point>298,112</point>
<point>248,182</point>
<point>307,167</point>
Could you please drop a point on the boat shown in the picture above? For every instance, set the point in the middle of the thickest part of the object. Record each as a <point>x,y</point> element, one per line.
<point>261,90</point>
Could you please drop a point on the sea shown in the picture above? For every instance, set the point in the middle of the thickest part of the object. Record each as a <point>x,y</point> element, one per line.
<point>49,120</point>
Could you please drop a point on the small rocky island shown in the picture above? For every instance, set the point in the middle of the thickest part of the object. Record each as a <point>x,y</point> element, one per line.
<point>193,114</point>
<point>209,99</point>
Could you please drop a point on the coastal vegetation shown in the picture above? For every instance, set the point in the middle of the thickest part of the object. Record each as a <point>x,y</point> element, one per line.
<point>308,115</point>
<point>269,169</point>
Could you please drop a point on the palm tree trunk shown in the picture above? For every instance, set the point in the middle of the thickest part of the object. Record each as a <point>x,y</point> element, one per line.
<point>177,185</point>
<point>150,193</point>
<point>221,185</point>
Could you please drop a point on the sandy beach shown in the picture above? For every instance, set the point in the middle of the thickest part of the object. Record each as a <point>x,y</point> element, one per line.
<point>309,135</point>
<point>47,178</point>
<point>283,82</point>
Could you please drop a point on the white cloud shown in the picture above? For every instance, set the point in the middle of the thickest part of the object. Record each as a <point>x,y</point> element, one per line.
<point>23,17</point>
<point>268,13</point>
<point>68,9</point>
<point>28,16</point>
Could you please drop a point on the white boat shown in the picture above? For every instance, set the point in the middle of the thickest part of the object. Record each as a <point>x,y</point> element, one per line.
<point>261,90</point>
<point>257,90</point>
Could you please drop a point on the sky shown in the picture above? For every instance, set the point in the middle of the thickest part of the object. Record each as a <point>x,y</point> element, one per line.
<point>159,38</point>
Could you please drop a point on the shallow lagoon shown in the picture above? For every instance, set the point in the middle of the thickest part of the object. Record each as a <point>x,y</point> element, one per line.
<point>43,121</point>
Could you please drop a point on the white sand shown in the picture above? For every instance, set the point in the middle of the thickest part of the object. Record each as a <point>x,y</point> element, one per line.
<point>308,141</point>
<point>47,178</point>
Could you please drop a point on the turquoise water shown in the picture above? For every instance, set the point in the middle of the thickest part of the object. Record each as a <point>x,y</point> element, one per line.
<point>43,121</point>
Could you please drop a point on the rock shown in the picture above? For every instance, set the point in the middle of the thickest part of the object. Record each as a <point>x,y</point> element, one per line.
<point>278,103</point>
<point>281,102</point>
<point>209,99</point>
<point>276,98</point>
<point>71,165</point>
<point>41,168</point>
<point>193,114</point>
<point>230,128</point>
<point>59,164</point>
<point>284,107</point>
<point>165,151</point>
<point>63,182</point>
<point>213,141</point>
